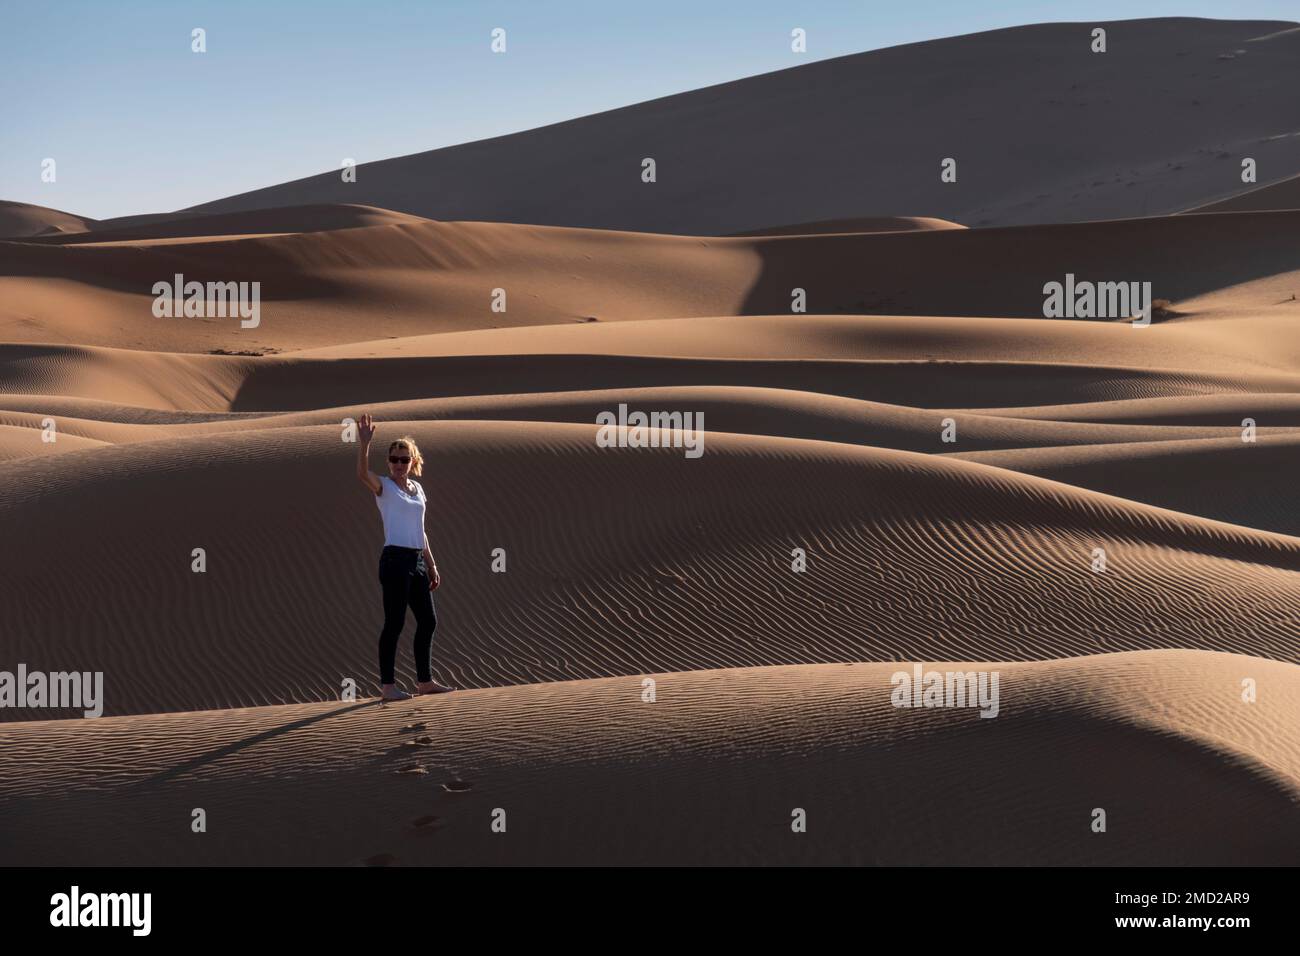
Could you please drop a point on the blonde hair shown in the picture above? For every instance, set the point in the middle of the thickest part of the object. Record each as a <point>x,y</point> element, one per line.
<point>417,460</point>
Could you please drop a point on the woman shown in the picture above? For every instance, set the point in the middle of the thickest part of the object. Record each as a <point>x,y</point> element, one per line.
<point>406,567</point>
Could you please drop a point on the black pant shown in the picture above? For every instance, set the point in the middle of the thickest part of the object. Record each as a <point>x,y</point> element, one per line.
<point>405,579</point>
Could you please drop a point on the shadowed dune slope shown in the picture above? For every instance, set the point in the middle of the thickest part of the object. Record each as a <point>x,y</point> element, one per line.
<point>1250,483</point>
<point>1280,195</point>
<point>588,772</point>
<point>1224,411</point>
<point>619,561</point>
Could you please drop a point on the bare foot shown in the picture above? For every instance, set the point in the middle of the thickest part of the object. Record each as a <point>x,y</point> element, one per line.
<point>393,692</point>
<point>432,687</point>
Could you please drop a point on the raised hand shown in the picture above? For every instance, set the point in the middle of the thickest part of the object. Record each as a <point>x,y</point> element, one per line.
<point>366,428</point>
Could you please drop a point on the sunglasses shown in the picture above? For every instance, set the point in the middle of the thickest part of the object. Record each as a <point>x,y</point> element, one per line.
<point>394,460</point>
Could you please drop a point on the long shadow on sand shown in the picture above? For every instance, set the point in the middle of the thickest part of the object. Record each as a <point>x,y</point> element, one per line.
<point>226,750</point>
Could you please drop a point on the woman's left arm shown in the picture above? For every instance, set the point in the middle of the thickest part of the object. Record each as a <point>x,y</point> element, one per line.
<point>434,578</point>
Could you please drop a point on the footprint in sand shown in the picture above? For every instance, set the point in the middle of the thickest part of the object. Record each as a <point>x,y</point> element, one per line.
<point>414,768</point>
<point>425,741</point>
<point>412,728</point>
<point>457,786</point>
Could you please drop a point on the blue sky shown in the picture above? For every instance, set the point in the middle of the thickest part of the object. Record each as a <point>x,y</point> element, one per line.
<point>136,122</point>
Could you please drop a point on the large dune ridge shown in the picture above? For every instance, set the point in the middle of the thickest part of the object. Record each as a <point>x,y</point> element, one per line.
<point>712,771</point>
<point>1051,132</point>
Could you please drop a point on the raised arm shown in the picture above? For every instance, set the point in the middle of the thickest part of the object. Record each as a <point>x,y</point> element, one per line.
<point>365,432</point>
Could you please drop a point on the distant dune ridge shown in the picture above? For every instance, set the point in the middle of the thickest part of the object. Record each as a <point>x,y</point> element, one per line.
<point>1102,513</point>
<point>1051,132</point>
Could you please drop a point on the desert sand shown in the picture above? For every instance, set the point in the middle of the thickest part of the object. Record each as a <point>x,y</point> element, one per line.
<point>586,772</point>
<point>824,431</point>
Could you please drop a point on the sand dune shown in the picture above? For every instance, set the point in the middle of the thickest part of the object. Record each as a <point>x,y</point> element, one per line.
<point>1222,478</point>
<point>403,279</point>
<point>20,220</point>
<point>851,144</point>
<point>325,288</point>
<point>1003,365</point>
<point>143,231</point>
<point>620,561</point>
<point>17,441</point>
<point>915,552</point>
<point>852,148</point>
<point>586,772</point>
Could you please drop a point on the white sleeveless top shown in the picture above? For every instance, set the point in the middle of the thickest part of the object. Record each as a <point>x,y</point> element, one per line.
<point>403,515</point>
